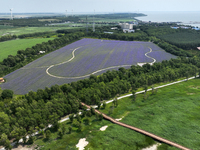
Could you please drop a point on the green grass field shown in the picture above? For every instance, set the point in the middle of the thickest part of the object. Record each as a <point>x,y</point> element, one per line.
<point>26,30</point>
<point>172,113</point>
<point>11,47</point>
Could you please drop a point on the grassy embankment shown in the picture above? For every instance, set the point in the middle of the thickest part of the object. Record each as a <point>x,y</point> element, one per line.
<point>172,113</point>
<point>11,47</point>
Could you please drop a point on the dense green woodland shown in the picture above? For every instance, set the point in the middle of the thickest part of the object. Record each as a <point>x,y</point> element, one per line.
<point>182,38</point>
<point>23,115</point>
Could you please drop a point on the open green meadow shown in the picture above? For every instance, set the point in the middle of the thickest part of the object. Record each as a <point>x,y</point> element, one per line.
<point>171,112</point>
<point>11,47</point>
<point>27,30</point>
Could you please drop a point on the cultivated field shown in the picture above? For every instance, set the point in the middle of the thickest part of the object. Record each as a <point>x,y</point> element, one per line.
<point>79,60</point>
<point>11,47</point>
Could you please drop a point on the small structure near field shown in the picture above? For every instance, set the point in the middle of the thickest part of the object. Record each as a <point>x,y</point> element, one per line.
<point>174,27</point>
<point>1,80</point>
<point>198,48</point>
<point>128,30</point>
<point>41,52</point>
<point>126,26</point>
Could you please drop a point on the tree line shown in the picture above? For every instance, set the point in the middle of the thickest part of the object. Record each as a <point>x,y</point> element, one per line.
<point>138,36</point>
<point>7,37</point>
<point>33,111</point>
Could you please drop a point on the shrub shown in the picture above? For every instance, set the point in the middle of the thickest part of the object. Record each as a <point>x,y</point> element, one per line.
<point>7,94</point>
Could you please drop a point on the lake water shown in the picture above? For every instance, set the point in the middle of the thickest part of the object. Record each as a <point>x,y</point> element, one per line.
<point>187,18</point>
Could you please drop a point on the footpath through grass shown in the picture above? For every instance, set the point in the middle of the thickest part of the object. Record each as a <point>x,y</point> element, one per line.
<point>11,47</point>
<point>172,113</point>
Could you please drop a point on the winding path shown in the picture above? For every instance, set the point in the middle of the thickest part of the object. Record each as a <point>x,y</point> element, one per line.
<point>73,56</point>
<point>154,60</point>
<point>139,130</point>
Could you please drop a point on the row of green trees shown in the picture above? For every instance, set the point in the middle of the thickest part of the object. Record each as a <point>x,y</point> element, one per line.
<point>7,37</point>
<point>138,36</point>
<point>37,34</point>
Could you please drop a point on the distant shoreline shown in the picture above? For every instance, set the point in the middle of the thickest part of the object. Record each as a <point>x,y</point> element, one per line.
<point>181,18</point>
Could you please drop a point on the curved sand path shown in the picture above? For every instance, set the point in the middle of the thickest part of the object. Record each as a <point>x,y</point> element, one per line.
<point>73,56</point>
<point>154,60</point>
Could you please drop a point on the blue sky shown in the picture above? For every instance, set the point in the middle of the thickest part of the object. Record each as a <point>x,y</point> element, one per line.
<point>29,6</point>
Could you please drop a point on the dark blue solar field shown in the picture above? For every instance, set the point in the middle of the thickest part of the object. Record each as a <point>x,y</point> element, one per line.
<point>79,60</point>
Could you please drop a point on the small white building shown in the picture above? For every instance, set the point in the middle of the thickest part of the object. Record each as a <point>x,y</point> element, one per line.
<point>174,27</point>
<point>41,52</point>
<point>128,30</point>
<point>109,32</point>
<point>114,28</point>
<point>183,27</point>
<point>126,26</point>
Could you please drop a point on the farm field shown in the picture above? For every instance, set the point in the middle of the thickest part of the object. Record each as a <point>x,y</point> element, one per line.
<point>172,113</point>
<point>11,47</point>
<point>79,60</point>
<point>26,30</point>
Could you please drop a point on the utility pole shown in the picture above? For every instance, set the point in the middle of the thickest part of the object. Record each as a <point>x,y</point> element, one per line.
<point>93,22</point>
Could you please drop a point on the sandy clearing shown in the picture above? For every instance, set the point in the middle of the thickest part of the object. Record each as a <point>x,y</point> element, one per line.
<point>20,147</point>
<point>153,147</point>
<point>103,128</point>
<point>119,119</point>
<point>82,143</point>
